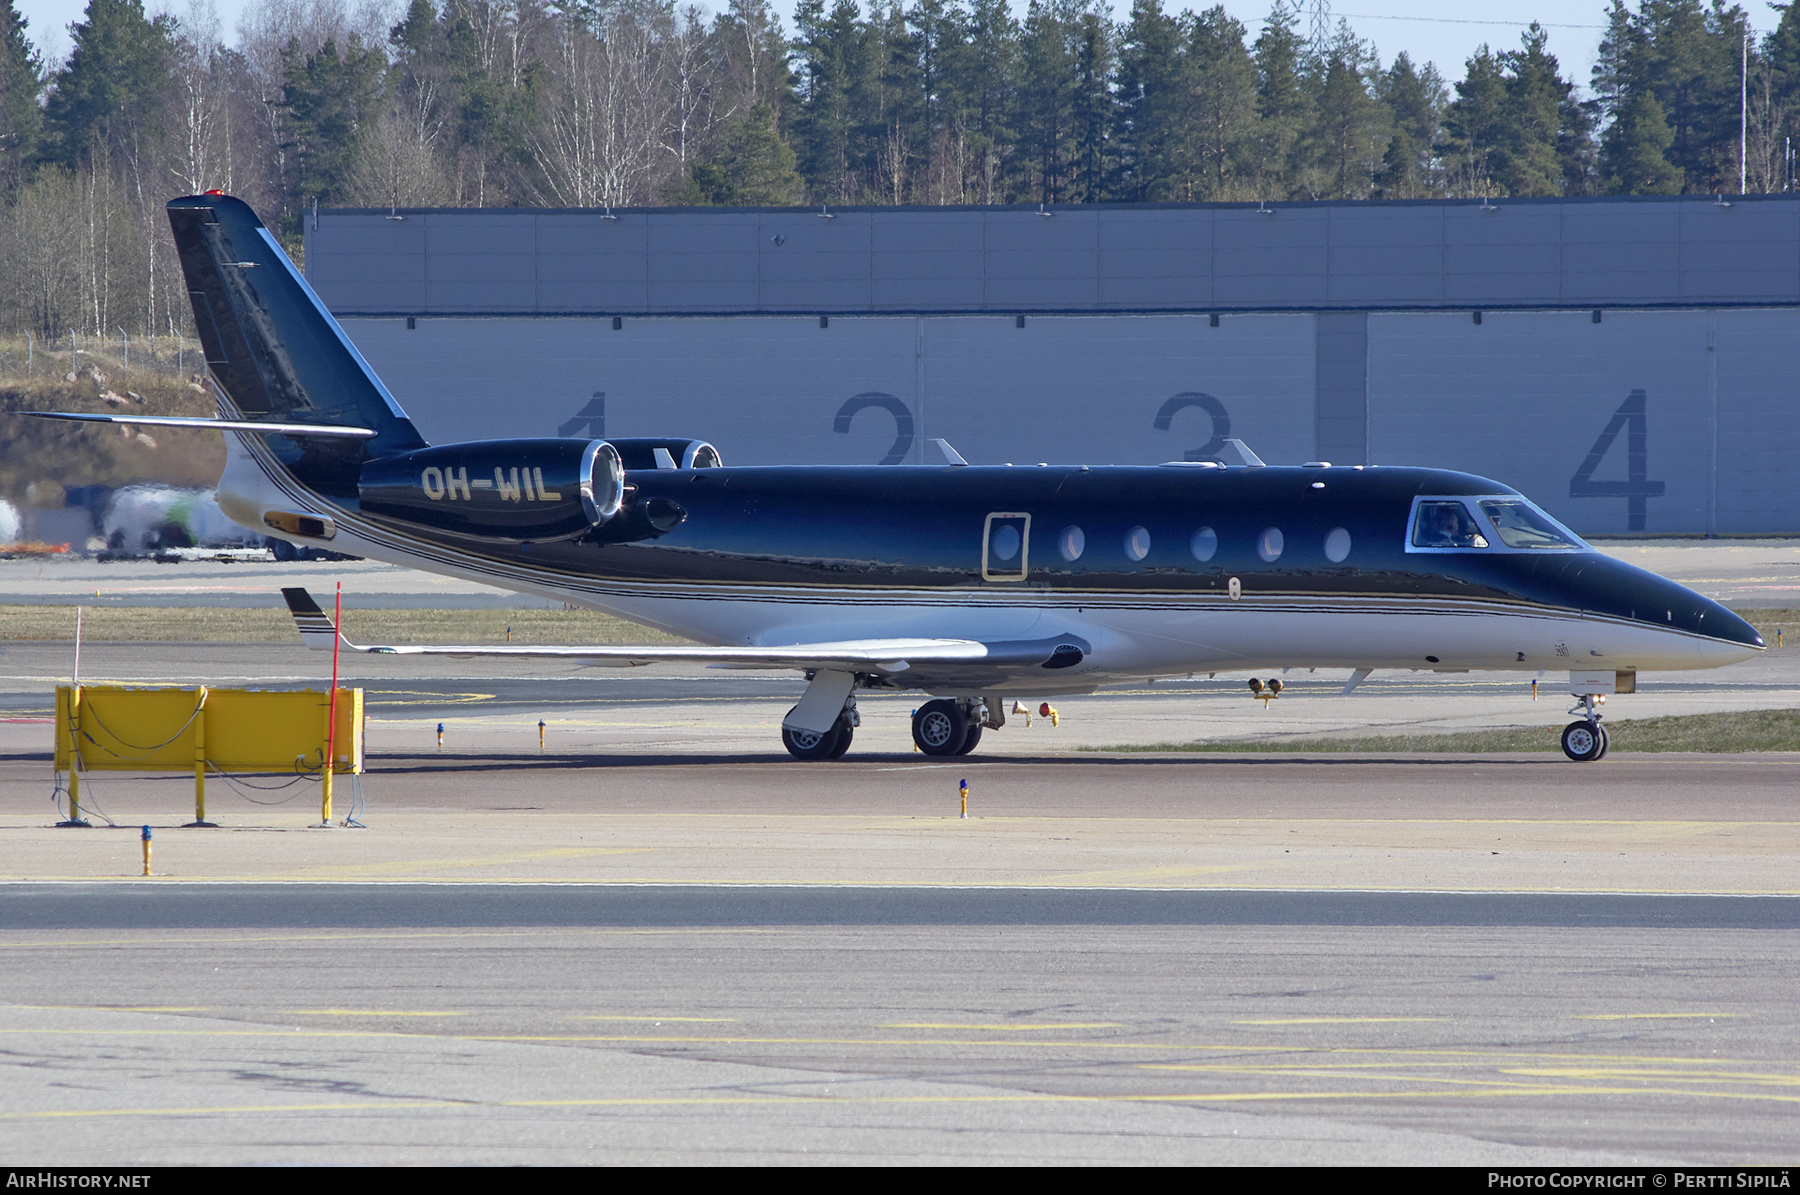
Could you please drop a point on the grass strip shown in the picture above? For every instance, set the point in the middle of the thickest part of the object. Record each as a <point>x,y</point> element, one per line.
<point>1738,731</point>
<point>212,624</point>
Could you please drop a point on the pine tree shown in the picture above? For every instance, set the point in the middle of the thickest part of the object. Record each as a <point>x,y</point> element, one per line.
<point>1636,150</point>
<point>330,99</point>
<point>1535,95</point>
<point>21,82</point>
<point>1047,99</point>
<point>1151,96</point>
<point>1283,106</point>
<point>1415,100</point>
<point>1224,89</point>
<point>990,67</point>
<point>823,122</point>
<point>1475,127</point>
<point>113,85</point>
<point>1348,131</point>
<point>758,163</point>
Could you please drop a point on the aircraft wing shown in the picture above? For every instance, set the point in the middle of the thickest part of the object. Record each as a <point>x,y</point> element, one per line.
<point>890,656</point>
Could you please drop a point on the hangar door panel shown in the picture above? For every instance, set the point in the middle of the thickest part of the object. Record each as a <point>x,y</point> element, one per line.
<point>1607,426</point>
<point>865,390</point>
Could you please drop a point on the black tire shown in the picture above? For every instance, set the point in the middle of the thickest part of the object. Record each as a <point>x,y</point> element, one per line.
<point>845,733</point>
<point>1605,744</point>
<point>970,739</point>
<point>1583,742</point>
<point>804,744</point>
<point>940,727</point>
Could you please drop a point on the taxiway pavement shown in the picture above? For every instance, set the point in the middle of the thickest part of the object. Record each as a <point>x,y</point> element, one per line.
<point>662,940</point>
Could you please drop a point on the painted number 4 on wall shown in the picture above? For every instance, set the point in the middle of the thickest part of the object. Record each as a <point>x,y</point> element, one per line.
<point>1630,418</point>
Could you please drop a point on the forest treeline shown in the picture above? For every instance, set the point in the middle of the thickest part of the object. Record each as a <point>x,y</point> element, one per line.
<point>591,103</point>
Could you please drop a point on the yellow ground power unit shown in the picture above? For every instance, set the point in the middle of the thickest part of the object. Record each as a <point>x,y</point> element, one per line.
<point>135,728</point>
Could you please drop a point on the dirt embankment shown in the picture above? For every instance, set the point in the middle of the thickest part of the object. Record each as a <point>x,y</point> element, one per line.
<point>54,456</point>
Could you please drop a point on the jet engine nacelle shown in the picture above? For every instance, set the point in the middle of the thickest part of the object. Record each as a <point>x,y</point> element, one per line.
<point>508,490</point>
<point>644,452</point>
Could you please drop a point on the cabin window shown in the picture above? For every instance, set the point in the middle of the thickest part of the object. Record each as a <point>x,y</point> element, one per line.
<point>1269,544</point>
<point>1137,543</point>
<point>1337,545</point>
<point>1005,546</point>
<point>1072,543</point>
<point>1522,525</point>
<point>1204,544</point>
<point>1445,524</point>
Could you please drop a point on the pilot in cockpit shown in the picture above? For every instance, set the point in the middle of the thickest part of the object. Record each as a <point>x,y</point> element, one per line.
<point>1446,525</point>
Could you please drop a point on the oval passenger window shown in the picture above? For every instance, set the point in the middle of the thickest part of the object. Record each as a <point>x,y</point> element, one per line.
<point>1072,544</point>
<point>1269,544</point>
<point>1006,542</point>
<point>1204,544</point>
<point>1337,545</point>
<point>1137,543</point>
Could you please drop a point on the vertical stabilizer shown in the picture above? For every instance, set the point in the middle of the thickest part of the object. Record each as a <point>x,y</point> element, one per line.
<point>275,350</point>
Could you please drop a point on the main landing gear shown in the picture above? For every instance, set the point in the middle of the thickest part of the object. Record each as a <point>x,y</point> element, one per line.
<point>807,744</point>
<point>945,726</point>
<point>950,726</point>
<point>1585,740</point>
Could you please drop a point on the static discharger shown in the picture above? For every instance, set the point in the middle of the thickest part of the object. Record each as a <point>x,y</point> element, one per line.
<point>1265,693</point>
<point>962,787</point>
<point>146,838</point>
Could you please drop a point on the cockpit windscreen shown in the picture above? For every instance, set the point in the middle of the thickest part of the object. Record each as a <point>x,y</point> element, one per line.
<point>1522,525</point>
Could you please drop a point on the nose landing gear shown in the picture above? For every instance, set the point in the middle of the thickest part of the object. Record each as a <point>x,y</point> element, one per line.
<point>1585,741</point>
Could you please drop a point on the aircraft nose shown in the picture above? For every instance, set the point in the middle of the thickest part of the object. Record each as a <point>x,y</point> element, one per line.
<point>1657,601</point>
<point>1720,623</point>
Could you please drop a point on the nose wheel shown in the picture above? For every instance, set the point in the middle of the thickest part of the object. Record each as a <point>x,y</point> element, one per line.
<point>1585,741</point>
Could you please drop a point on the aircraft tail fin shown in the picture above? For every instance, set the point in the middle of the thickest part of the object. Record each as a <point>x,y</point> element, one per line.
<point>276,352</point>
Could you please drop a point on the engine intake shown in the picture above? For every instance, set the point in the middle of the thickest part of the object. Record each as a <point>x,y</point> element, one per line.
<point>508,490</point>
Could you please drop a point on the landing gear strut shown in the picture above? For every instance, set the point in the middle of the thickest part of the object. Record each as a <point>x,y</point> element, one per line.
<point>1585,740</point>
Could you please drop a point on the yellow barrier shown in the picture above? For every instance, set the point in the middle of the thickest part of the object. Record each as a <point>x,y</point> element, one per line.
<point>120,728</point>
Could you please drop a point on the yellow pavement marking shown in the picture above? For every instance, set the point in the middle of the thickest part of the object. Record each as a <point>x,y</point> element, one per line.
<point>1339,1020</point>
<point>1002,1026</point>
<point>1649,1016</point>
<point>1620,1072</point>
<point>367,1012</point>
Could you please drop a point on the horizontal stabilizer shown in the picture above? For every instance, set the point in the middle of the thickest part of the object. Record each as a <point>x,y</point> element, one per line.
<point>222,425</point>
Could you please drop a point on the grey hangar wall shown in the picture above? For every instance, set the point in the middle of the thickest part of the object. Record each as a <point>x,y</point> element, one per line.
<point>1631,364</point>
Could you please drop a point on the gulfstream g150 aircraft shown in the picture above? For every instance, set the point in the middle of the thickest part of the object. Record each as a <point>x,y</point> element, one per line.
<point>969,584</point>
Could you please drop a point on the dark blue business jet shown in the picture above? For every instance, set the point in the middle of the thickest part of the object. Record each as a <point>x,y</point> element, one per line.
<point>971,584</point>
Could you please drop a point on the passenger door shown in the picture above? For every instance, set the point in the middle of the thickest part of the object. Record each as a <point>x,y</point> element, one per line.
<point>1005,546</point>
